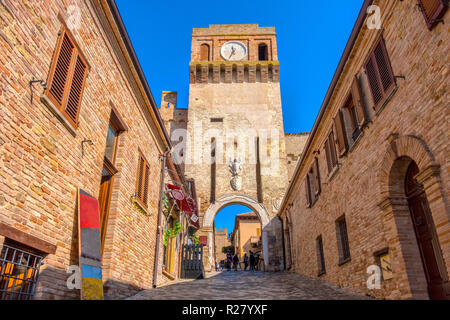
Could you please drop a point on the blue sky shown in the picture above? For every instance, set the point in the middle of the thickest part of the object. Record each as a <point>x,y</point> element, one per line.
<point>311,39</point>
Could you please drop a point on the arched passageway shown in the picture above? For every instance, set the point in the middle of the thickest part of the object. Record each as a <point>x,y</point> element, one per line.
<point>257,208</point>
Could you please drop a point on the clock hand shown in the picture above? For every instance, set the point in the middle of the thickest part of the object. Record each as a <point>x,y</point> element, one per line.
<point>233,51</point>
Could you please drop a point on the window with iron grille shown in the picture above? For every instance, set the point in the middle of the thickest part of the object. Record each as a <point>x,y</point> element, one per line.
<point>320,256</point>
<point>19,271</point>
<point>343,244</point>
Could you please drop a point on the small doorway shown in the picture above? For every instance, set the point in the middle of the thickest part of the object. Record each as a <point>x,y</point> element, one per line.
<point>427,241</point>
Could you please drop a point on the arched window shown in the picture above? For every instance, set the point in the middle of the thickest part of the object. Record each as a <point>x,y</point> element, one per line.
<point>263,52</point>
<point>204,52</point>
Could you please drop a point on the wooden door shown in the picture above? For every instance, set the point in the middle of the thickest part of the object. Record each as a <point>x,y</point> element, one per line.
<point>430,251</point>
<point>104,201</point>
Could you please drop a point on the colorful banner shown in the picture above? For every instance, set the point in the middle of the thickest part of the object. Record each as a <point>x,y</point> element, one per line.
<point>89,244</point>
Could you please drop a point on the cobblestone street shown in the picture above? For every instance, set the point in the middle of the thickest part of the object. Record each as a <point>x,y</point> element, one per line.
<point>249,285</point>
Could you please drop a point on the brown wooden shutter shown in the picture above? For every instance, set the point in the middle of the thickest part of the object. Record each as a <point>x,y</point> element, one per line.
<point>384,67</point>
<point>67,78</point>
<point>433,10</point>
<point>332,145</point>
<point>61,71</point>
<point>380,75</point>
<point>146,180</point>
<point>317,185</point>
<point>328,154</point>
<point>341,134</point>
<point>361,113</point>
<point>72,109</point>
<point>373,81</point>
<point>140,181</point>
<point>308,191</point>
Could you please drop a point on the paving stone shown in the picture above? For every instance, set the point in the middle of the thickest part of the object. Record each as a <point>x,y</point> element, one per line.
<point>249,285</point>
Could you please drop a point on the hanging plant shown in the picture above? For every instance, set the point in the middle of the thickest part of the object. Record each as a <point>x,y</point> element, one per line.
<point>171,233</point>
<point>195,239</point>
<point>166,206</point>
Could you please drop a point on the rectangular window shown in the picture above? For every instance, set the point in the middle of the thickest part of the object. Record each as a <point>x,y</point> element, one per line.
<point>343,244</point>
<point>320,256</point>
<point>142,181</point>
<point>380,76</point>
<point>19,271</point>
<point>67,78</point>
<point>433,11</point>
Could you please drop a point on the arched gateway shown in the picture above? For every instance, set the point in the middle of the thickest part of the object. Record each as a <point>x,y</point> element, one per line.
<point>227,200</point>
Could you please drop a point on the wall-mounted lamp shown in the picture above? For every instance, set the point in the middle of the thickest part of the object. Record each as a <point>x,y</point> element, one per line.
<point>41,82</point>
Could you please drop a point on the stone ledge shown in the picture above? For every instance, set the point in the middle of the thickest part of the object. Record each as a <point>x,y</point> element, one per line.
<point>55,111</point>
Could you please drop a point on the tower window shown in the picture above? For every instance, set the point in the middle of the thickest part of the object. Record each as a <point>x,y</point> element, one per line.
<point>204,52</point>
<point>263,52</point>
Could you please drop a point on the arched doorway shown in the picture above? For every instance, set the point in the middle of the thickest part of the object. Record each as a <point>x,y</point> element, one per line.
<point>255,206</point>
<point>424,229</point>
<point>410,185</point>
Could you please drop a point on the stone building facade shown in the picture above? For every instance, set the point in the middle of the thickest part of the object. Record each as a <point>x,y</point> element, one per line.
<point>221,240</point>
<point>370,193</point>
<point>295,143</point>
<point>47,153</point>
<point>246,235</point>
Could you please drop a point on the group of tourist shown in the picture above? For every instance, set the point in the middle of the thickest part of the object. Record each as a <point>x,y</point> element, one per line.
<point>250,261</point>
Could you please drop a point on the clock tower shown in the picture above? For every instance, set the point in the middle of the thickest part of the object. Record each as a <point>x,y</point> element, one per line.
<point>235,144</point>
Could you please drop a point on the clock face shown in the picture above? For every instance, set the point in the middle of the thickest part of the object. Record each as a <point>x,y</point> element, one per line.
<point>233,51</point>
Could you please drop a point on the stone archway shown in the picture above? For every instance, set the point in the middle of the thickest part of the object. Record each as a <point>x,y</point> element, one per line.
<point>258,209</point>
<point>401,152</point>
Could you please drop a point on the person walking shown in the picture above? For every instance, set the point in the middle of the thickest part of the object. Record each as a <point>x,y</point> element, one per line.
<point>245,262</point>
<point>252,261</point>
<point>229,261</point>
<point>235,262</point>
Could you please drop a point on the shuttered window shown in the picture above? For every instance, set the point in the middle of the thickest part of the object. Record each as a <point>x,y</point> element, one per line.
<point>379,74</point>
<point>308,192</point>
<point>433,11</point>
<point>313,184</point>
<point>342,237</point>
<point>143,181</point>
<point>67,78</point>
<point>320,256</point>
<point>330,150</point>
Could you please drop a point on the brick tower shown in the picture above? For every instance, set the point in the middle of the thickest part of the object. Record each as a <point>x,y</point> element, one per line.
<point>236,148</point>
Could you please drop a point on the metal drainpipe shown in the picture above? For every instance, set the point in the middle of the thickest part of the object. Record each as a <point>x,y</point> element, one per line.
<point>158,229</point>
<point>283,244</point>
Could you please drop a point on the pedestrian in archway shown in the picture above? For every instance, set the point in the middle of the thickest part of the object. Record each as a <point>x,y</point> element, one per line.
<point>229,261</point>
<point>252,261</point>
<point>245,262</point>
<point>235,262</point>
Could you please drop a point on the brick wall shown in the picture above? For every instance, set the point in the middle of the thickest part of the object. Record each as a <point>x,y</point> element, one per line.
<point>413,124</point>
<point>41,163</point>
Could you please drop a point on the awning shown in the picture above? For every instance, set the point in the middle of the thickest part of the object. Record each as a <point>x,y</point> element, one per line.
<point>187,205</point>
